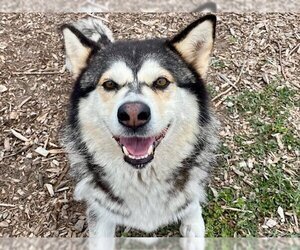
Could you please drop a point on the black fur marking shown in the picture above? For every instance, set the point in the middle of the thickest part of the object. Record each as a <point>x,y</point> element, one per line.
<point>98,173</point>
<point>198,89</point>
<point>183,207</point>
<point>99,180</point>
<point>82,38</point>
<point>110,209</point>
<point>182,174</point>
<point>77,94</point>
<point>179,37</point>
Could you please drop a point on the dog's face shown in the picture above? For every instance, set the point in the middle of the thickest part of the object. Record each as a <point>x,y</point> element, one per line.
<point>136,95</point>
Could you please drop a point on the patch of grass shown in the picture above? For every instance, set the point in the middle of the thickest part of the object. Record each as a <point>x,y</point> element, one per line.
<point>211,89</point>
<point>225,223</point>
<point>233,40</point>
<point>266,113</point>
<point>217,63</point>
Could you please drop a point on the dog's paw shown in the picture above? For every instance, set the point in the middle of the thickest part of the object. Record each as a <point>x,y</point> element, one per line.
<point>192,230</point>
<point>192,243</point>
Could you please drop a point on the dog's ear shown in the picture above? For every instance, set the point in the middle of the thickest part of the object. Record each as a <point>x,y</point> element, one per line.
<point>195,43</point>
<point>81,39</point>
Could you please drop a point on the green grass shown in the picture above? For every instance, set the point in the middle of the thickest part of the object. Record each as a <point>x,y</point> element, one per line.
<point>218,63</point>
<point>266,112</point>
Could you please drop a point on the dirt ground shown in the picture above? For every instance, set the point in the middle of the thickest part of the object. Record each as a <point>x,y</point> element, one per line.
<point>35,189</point>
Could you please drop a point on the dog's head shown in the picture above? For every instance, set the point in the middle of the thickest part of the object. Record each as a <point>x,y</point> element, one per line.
<point>136,101</point>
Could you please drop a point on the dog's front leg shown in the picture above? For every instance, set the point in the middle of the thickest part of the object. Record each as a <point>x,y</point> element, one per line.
<point>101,231</point>
<point>192,225</point>
<point>100,225</point>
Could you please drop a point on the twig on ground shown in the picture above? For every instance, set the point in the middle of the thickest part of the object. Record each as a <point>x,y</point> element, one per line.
<point>98,17</point>
<point>280,61</point>
<point>6,205</point>
<point>37,73</point>
<point>17,152</point>
<point>63,174</point>
<point>227,80</point>
<point>221,94</point>
<point>236,209</point>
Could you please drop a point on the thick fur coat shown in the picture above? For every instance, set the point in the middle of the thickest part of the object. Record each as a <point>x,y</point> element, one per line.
<point>160,179</point>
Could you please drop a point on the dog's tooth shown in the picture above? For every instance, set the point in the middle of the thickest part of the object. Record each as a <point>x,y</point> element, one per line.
<point>125,151</point>
<point>150,150</point>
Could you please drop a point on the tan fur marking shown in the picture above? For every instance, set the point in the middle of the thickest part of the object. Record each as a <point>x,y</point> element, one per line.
<point>119,72</point>
<point>151,70</point>
<point>196,47</point>
<point>77,54</point>
<point>105,95</point>
<point>80,62</point>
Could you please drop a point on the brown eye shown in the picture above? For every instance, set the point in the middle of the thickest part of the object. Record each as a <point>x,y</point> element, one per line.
<point>161,83</point>
<point>110,85</point>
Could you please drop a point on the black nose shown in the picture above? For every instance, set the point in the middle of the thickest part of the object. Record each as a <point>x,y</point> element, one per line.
<point>134,114</point>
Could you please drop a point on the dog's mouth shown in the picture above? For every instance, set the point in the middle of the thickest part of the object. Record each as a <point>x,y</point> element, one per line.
<point>138,151</point>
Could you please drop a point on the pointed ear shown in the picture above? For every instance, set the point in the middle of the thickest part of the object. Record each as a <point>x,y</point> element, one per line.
<point>195,43</point>
<point>78,49</point>
<point>81,39</point>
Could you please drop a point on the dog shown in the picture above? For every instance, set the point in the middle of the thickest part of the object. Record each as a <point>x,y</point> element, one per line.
<point>141,136</point>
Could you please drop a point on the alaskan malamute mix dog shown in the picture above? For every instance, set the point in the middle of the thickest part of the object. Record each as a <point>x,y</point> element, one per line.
<point>140,136</point>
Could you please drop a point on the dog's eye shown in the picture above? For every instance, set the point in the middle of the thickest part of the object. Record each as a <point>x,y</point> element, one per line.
<point>110,85</point>
<point>161,83</point>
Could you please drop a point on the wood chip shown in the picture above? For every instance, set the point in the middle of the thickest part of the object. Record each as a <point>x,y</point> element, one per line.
<point>2,88</point>
<point>236,209</point>
<point>6,144</point>
<point>281,214</point>
<point>79,225</point>
<point>271,223</point>
<point>50,189</point>
<point>279,141</point>
<point>238,172</point>
<point>19,136</point>
<point>13,115</point>
<point>215,192</point>
<point>42,151</point>
<point>56,151</point>
<point>4,224</point>
<point>23,102</point>
<point>6,205</point>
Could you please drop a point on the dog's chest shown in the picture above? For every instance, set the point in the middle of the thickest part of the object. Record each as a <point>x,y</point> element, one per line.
<point>150,202</point>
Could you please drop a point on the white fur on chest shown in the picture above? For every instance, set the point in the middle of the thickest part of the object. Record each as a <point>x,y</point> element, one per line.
<point>148,203</point>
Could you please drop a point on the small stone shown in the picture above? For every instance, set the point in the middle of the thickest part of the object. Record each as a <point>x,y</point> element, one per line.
<point>79,225</point>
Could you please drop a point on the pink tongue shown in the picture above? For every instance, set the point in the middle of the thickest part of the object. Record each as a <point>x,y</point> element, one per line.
<point>137,146</point>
